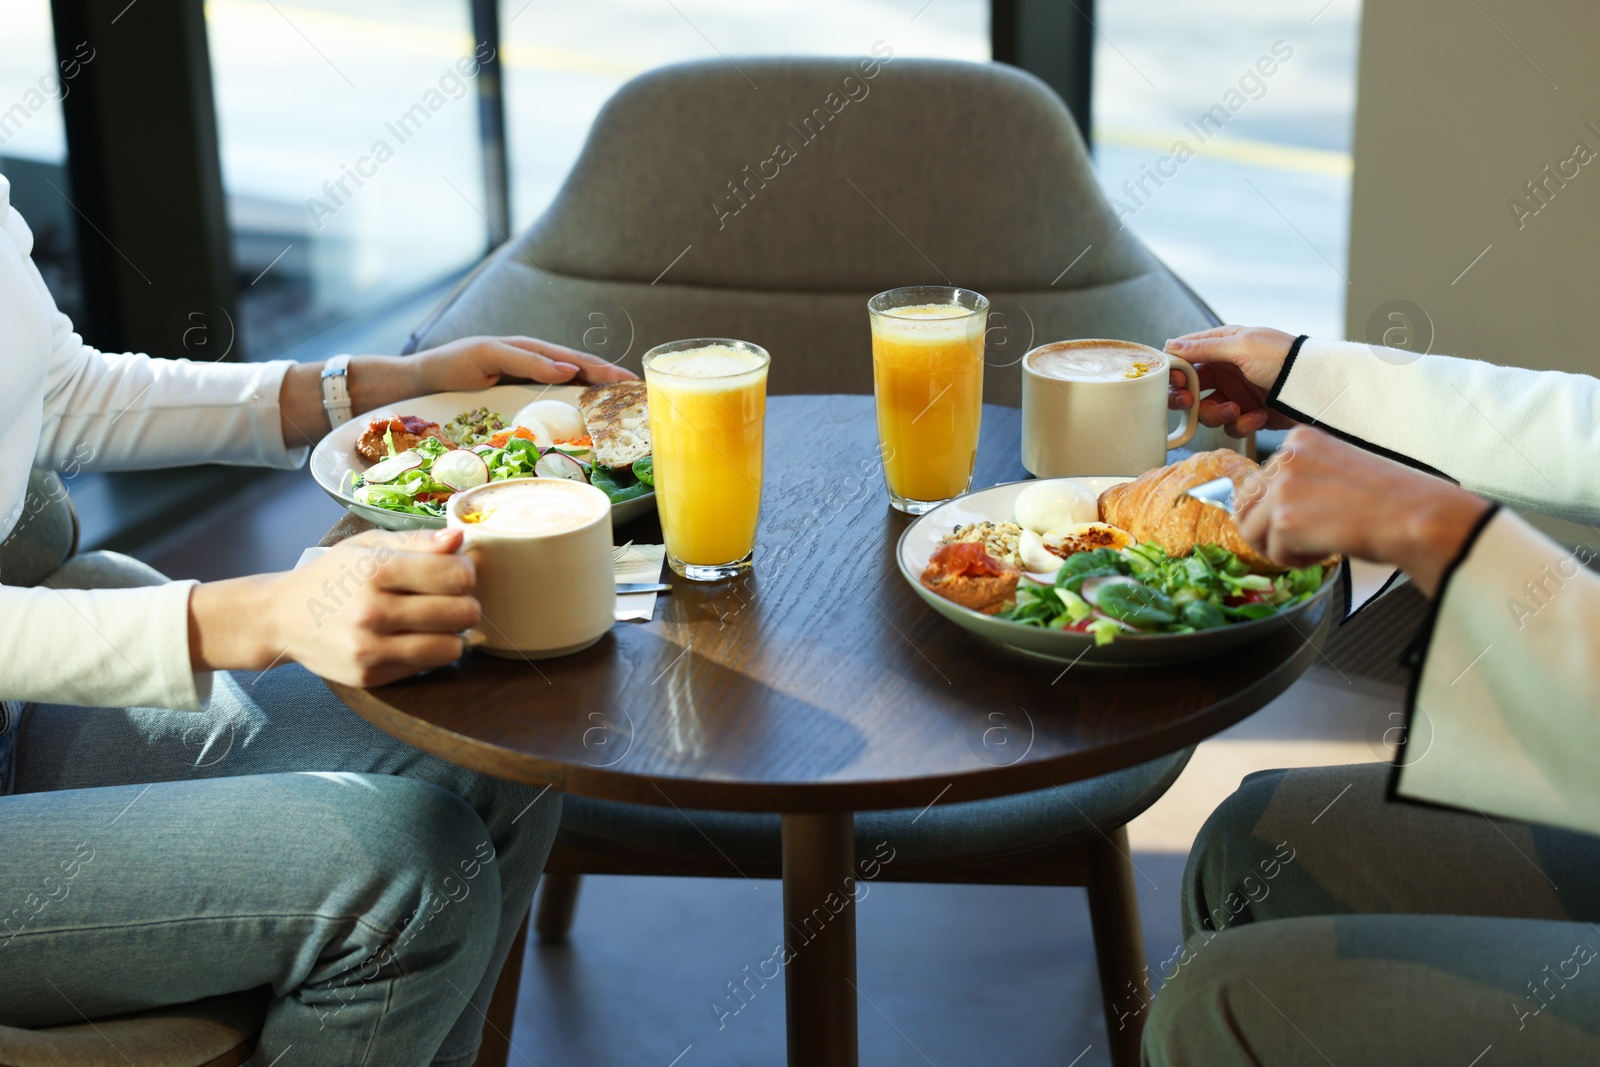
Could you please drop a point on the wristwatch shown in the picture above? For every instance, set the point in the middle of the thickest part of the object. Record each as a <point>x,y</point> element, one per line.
<point>336,390</point>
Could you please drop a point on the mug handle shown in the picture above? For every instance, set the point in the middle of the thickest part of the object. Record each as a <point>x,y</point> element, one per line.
<point>1191,417</point>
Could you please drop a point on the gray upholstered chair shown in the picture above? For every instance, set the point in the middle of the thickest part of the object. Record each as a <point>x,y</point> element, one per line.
<point>966,173</point>
<point>45,534</point>
<point>672,224</point>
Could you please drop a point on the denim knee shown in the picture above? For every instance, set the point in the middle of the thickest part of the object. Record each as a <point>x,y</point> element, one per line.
<point>429,856</point>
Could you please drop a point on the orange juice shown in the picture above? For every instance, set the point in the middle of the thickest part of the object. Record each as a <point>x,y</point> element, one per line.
<point>708,402</point>
<point>927,372</point>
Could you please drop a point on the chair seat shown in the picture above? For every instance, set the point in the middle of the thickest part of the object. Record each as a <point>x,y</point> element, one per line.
<point>1006,829</point>
<point>217,1032</point>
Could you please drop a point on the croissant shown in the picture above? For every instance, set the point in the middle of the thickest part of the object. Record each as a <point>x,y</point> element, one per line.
<point>1152,507</point>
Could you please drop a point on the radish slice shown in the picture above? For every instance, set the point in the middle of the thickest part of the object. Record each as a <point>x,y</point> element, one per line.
<point>1090,590</point>
<point>556,465</point>
<point>387,470</point>
<point>460,469</point>
<point>1124,626</point>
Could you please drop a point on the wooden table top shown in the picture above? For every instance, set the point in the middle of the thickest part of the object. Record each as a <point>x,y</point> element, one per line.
<point>819,682</point>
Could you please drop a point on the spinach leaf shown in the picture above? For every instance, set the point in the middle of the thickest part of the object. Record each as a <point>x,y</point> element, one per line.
<point>1135,604</point>
<point>607,481</point>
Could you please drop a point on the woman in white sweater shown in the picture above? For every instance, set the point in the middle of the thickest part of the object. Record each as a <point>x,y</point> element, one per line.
<point>1433,911</point>
<point>172,828</point>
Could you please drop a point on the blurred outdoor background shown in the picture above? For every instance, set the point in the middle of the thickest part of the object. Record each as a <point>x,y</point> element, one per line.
<point>1257,223</point>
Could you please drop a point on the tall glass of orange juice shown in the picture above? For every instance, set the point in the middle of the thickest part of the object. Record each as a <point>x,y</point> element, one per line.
<point>927,374</point>
<point>708,406</point>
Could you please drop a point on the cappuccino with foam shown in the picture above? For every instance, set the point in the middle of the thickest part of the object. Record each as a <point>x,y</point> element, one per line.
<point>1093,363</point>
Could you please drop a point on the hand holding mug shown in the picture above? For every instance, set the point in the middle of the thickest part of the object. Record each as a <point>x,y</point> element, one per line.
<point>1239,364</point>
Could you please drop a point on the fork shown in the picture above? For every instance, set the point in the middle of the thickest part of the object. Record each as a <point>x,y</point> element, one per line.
<point>620,551</point>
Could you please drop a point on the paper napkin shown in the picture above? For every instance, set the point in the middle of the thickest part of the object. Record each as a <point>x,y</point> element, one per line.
<point>639,563</point>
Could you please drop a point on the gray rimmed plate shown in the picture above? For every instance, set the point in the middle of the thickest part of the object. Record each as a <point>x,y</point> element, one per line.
<point>334,462</point>
<point>997,504</point>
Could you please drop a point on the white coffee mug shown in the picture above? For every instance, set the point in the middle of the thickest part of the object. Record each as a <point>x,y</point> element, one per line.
<point>1102,411</point>
<point>542,548</point>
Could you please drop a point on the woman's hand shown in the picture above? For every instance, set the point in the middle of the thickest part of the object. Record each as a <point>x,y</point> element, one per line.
<point>1239,363</point>
<point>474,363</point>
<point>1318,496</point>
<point>375,608</point>
<point>467,365</point>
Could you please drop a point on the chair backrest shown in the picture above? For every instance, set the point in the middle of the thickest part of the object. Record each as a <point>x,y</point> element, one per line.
<point>45,534</point>
<point>769,200</point>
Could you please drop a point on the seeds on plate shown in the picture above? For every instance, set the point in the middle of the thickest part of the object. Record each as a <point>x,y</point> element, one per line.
<point>1000,539</point>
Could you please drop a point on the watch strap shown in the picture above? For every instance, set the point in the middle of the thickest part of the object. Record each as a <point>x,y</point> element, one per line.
<point>336,390</point>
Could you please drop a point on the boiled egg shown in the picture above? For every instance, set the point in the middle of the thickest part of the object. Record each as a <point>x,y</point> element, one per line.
<point>1043,553</point>
<point>559,419</point>
<point>541,433</point>
<point>1054,505</point>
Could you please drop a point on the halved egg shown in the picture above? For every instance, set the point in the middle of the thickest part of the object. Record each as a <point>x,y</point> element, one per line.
<point>1053,505</point>
<point>1043,554</point>
<point>561,419</point>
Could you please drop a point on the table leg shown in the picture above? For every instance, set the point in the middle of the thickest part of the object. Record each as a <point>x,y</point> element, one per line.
<point>819,912</point>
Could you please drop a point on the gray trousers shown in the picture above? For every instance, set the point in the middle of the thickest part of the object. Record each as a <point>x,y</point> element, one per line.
<point>1324,924</point>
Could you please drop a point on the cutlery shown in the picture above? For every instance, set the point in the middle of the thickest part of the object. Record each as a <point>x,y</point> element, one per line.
<point>643,587</point>
<point>1218,493</point>
<point>620,551</point>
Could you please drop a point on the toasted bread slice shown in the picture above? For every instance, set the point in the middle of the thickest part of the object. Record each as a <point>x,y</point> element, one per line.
<point>618,420</point>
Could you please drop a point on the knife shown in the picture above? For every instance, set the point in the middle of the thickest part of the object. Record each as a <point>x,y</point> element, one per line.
<point>1218,493</point>
<point>643,587</point>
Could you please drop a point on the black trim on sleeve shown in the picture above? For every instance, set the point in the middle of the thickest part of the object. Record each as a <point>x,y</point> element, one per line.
<point>1349,593</point>
<point>1416,654</point>
<point>1288,365</point>
<point>1276,403</point>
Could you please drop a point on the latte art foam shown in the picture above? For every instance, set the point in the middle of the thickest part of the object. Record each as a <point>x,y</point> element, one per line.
<point>534,507</point>
<point>1094,363</point>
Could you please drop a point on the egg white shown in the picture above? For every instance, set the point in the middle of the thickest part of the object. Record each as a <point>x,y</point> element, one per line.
<point>1052,505</point>
<point>560,419</point>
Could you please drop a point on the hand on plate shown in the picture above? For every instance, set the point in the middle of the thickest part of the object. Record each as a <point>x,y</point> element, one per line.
<point>474,363</point>
<point>376,608</point>
<point>1318,496</point>
<point>1239,363</point>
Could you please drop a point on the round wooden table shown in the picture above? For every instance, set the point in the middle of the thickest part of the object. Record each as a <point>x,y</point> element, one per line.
<point>816,686</point>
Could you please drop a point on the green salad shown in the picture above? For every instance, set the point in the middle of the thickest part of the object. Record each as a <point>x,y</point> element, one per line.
<point>1141,589</point>
<point>420,480</point>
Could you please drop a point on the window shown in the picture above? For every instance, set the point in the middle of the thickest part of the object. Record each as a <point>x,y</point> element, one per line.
<point>1258,220</point>
<point>350,156</point>
<point>562,61</point>
<point>33,145</point>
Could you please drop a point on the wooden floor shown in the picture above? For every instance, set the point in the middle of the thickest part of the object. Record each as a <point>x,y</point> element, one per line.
<point>948,974</point>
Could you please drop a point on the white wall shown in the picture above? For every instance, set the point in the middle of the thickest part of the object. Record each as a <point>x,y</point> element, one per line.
<point>1460,104</point>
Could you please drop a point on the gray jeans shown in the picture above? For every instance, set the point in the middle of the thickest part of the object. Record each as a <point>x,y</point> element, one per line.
<point>1325,924</point>
<point>152,857</point>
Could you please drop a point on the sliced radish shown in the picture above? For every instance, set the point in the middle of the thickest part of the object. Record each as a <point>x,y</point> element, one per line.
<point>1121,625</point>
<point>1090,590</point>
<point>554,464</point>
<point>387,470</point>
<point>460,469</point>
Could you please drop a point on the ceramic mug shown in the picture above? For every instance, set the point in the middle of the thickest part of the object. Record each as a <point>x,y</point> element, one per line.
<point>542,548</point>
<point>1099,407</point>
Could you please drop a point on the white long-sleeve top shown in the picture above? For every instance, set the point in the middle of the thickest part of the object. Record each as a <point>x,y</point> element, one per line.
<point>1505,710</point>
<point>65,405</point>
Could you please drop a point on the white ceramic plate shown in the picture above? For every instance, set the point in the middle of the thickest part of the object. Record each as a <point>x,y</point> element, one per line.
<point>334,461</point>
<point>997,504</point>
